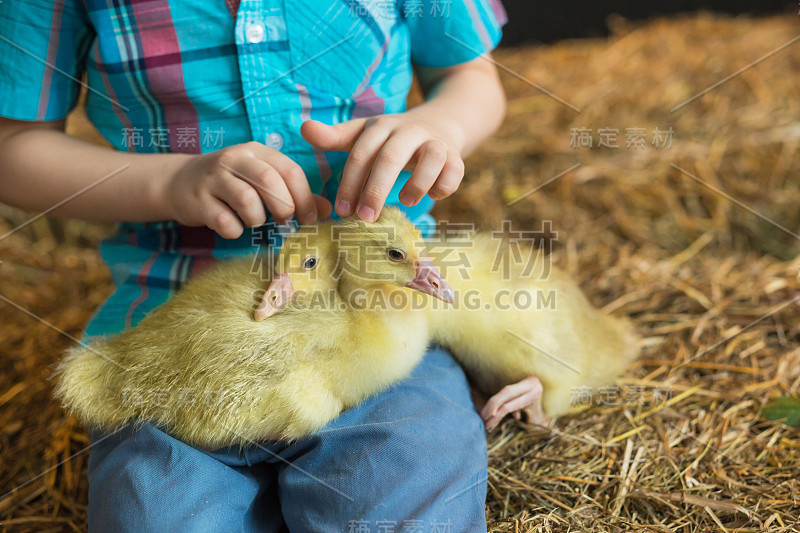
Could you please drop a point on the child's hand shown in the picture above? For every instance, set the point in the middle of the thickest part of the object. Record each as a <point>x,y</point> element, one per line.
<point>380,148</point>
<point>208,188</point>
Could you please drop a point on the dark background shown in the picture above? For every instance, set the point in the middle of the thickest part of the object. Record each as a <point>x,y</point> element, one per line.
<point>538,21</point>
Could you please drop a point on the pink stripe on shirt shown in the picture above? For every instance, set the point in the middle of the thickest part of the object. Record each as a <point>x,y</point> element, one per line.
<point>52,55</point>
<point>478,24</point>
<point>141,280</point>
<point>158,37</point>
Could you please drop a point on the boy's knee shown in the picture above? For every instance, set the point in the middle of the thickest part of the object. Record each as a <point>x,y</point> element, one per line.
<point>144,480</point>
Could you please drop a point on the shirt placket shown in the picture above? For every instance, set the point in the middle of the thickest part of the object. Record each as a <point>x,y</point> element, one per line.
<point>265,69</point>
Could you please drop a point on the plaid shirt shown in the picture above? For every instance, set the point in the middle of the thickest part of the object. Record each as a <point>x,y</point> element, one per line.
<point>196,76</point>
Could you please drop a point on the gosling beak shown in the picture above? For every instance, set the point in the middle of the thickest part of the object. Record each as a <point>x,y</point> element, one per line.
<point>430,281</point>
<point>277,295</point>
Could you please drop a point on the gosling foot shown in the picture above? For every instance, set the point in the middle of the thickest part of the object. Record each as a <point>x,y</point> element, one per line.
<point>520,399</point>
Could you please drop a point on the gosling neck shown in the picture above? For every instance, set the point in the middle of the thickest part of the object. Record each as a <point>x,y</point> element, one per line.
<point>372,297</point>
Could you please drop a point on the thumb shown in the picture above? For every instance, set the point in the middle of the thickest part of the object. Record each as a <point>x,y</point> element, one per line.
<point>324,207</point>
<point>338,138</point>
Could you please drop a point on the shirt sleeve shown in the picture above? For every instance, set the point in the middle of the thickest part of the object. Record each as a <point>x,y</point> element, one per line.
<point>43,48</point>
<point>444,33</point>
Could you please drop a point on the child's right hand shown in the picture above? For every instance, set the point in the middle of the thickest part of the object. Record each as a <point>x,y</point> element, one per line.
<point>212,189</point>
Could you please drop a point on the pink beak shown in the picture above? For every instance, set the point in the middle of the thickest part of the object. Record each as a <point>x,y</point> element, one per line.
<point>277,295</point>
<point>430,281</point>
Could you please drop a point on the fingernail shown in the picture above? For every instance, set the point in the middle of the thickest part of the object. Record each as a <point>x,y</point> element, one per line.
<point>344,208</point>
<point>406,198</point>
<point>366,213</point>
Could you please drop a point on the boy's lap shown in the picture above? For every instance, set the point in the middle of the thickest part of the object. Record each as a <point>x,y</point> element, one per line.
<point>145,480</point>
<point>415,450</point>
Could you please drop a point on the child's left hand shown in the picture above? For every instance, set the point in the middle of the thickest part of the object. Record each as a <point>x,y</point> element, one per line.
<point>380,148</point>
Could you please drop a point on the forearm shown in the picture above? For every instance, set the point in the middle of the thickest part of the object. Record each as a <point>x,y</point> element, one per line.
<point>42,167</point>
<point>467,101</point>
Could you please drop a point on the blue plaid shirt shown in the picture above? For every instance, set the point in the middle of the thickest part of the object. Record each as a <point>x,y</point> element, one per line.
<point>196,76</point>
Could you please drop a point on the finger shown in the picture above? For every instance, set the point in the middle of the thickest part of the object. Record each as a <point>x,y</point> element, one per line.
<point>242,197</point>
<point>340,137</point>
<point>431,161</point>
<point>324,207</point>
<point>356,169</point>
<point>450,178</point>
<point>268,184</point>
<point>295,180</point>
<point>395,154</point>
<point>220,218</point>
<point>305,205</point>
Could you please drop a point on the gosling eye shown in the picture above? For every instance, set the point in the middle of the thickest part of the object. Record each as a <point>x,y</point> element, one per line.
<point>396,255</point>
<point>310,263</point>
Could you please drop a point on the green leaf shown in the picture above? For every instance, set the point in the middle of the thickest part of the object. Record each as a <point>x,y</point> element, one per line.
<point>786,407</point>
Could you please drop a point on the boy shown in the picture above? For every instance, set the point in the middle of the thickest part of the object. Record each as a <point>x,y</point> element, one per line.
<point>224,115</point>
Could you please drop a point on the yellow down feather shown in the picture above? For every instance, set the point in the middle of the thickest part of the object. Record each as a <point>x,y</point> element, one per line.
<point>203,369</point>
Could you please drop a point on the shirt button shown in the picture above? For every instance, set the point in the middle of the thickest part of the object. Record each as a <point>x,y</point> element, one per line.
<point>254,33</point>
<point>275,141</point>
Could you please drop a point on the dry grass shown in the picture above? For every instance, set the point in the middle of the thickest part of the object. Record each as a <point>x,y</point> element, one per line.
<point>713,286</point>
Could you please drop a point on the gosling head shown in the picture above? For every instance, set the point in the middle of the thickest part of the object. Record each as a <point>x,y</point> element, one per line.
<point>385,254</point>
<point>305,267</point>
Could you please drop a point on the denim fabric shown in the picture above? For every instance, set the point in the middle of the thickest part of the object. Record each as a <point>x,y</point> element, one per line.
<point>409,459</point>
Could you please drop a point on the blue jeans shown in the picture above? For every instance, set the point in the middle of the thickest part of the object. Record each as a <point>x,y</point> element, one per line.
<point>409,459</point>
